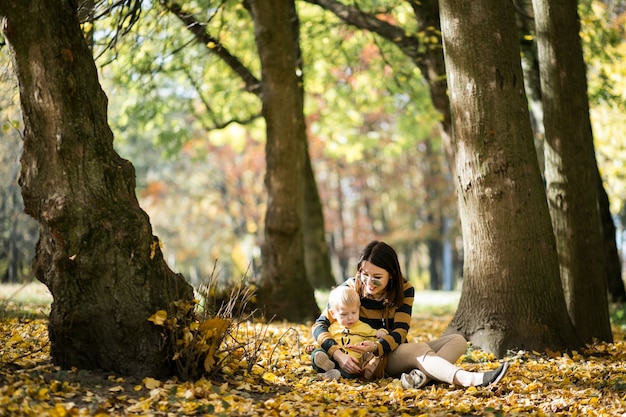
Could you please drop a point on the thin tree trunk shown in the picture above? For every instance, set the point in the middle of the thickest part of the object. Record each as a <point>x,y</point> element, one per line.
<point>96,252</point>
<point>316,254</point>
<point>530,66</point>
<point>512,296</point>
<point>613,263</point>
<point>285,291</point>
<point>435,251</point>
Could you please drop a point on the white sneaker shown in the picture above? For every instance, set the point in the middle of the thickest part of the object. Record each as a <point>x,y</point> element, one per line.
<point>414,379</point>
<point>332,374</point>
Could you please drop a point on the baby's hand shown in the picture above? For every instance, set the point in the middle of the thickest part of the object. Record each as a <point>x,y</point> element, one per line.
<point>380,333</point>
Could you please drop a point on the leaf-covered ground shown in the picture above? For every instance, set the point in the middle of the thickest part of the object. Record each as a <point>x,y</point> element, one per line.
<point>282,383</point>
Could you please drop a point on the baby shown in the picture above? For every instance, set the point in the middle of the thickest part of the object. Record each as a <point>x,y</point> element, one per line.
<point>343,306</point>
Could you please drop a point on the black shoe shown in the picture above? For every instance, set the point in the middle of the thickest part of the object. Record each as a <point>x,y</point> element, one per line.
<point>493,377</point>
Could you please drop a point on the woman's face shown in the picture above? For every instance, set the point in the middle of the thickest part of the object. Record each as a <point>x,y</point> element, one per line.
<point>374,279</point>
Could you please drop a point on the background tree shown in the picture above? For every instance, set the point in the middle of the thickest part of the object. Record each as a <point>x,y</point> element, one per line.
<point>317,258</point>
<point>283,287</point>
<point>571,170</point>
<point>512,295</point>
<point>96,252</point>
<point>602,35</point>
<point>18,232</point>
<point>530,64</point>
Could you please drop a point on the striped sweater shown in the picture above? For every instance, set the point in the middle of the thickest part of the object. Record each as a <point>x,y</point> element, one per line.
<point>379,315</point>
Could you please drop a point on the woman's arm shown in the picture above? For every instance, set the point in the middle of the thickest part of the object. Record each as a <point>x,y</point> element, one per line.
<point>401,322</point>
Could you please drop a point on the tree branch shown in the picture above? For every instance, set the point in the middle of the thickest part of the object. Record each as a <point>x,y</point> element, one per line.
<point>409,45</point>
<point>253,85</point>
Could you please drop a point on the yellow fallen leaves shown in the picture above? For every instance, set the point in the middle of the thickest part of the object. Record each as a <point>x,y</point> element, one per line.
<point>151,383</point>
<point>193,345</point>
<point>158,318</point>
<point>278,381</point>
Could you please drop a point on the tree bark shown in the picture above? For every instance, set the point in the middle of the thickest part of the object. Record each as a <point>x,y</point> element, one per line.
<point>96,252</point>
<point>571,169</point>
<point>512,296</point>
<point>285,291</point>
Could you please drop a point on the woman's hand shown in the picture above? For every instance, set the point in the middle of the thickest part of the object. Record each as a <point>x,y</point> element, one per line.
<point>363,347</point>
<point>347,362</point>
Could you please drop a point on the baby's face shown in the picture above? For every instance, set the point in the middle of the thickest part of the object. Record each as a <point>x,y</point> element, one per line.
<point>347,316</point>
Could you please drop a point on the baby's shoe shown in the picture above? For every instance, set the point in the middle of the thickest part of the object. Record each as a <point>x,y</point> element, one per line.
<point>331,375</point>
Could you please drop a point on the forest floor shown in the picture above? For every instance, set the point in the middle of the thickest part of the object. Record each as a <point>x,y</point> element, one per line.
<point>281,383</point>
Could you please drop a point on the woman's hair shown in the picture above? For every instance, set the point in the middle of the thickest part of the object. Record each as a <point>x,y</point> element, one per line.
<point>383,256</point>
<point>343,296</point>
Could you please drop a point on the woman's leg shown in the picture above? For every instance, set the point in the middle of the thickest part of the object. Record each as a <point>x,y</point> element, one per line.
<point>449,347</point>
<point>435,359</point>
<point>404,358</point>
<point>440,369</point>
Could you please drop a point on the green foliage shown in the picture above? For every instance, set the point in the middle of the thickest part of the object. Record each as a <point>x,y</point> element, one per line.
<point>603,35</point>
<point>362,94</point>
<point>366,104</point>
<point>618,315</point>
<point>174,87</point>
<point>604,43</point>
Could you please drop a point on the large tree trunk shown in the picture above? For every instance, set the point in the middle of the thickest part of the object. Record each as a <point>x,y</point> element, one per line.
<point>96,252</point>
<point>571,169</point>
<point>512,296</point>
<point>285,291</point>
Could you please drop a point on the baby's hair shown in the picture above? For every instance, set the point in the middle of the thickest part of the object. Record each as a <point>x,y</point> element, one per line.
<point>343,295</point>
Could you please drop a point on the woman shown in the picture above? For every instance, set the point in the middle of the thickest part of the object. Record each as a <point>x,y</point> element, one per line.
<point>387,302</point>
